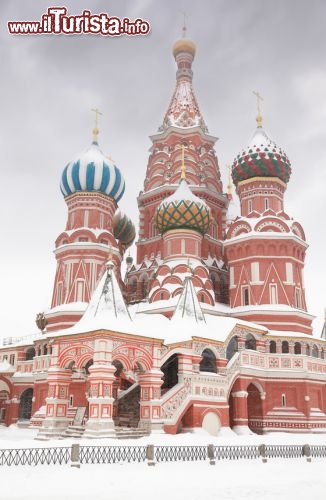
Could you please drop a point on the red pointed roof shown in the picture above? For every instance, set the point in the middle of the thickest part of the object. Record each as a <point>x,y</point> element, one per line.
<point>183,111</point>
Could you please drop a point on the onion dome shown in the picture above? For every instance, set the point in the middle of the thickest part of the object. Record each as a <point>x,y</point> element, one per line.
<point>123,228</point>
<point>92,171</point>
<point>184,44</point>
<point>129,260</point>
<point>262,158</point>
<point>183,210</point>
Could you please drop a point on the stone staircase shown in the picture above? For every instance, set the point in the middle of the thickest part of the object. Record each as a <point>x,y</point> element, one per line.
<point>127,407</point>
<point>130,433</point>
<point>74,431</point>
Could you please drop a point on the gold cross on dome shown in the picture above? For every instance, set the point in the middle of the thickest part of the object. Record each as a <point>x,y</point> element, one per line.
<point>259,98</point>
<point>183,166</point>
<point>229,186</point>
<point>97,114</point>
<point>95,129</point>
<point>184,28</point>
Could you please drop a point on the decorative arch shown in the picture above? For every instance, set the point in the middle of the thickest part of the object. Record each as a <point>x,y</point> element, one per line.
<point>123,359</point>
<point>75,353</point>
<point>139,355</point>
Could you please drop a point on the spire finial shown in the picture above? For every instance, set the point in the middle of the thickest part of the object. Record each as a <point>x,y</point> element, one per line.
<point>184,27</point>
<point>230,185</point>
<point>95,130</point>
<point>183,166</point>
<point>259,118</point>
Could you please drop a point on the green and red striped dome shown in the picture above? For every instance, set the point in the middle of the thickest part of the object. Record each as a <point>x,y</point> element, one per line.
<point>262,158</point>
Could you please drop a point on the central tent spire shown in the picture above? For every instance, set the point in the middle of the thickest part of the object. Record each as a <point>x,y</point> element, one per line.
<point>183,111</point>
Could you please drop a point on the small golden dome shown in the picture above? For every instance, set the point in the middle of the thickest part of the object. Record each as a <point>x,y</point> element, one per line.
<point>184,45</point>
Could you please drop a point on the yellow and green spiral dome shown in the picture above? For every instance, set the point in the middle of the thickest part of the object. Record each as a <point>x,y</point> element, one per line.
<point>183,210</point>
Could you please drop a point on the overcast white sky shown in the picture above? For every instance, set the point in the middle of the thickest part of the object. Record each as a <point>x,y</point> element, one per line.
<point>49,83</point>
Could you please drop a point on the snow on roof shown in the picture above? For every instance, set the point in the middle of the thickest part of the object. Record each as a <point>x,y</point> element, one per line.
<point>183,192</point>
<point>280,308</point>
<point>213,261</point>
<point>6,367</point>
<point>69,307</point>
<point>285,333</point>
<point>188,306</point>
<point>260,138</point>
<point>107,308</point>
<point>96,231</point>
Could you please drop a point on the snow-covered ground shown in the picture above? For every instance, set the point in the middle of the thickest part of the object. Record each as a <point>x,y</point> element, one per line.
<point>277,479</point>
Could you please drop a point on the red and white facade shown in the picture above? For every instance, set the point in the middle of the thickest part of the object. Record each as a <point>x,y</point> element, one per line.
<point>210,327</point>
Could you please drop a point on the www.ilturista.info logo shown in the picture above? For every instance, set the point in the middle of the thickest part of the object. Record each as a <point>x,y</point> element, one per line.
<point>56,22</point>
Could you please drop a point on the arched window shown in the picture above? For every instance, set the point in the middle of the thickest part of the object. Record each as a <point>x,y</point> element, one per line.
<point>308,350</point>
<point>297,348</point>
<point>272,347</point>
<point>30,353</point>
<point>322,353</point>
<point>285,347</point>
<point>232,348</point>
<point>315,352</point>
<point>250,342</point>
<point>45,349</point>
<point>208,362</point>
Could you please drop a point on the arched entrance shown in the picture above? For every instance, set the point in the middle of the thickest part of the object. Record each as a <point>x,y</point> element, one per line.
<point>25,405</point>
<point>255,410</point>
<point>126,391</point>
<point>245,407</point>
<point>170,373</point>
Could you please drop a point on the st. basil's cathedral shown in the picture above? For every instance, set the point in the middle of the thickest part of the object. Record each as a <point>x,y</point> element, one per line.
<point>207,328</point>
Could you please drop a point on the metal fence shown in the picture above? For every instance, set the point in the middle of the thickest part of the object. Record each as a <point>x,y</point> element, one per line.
<point>111,454</point>
<point>77,455</point>
<point>35,456</point>
<point>180,453</point>
<point>236,452</point>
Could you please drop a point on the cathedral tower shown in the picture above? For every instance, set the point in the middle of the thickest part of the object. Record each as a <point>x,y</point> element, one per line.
<point>183,134</point>
<point>265,248</point>
<point>92,185</point>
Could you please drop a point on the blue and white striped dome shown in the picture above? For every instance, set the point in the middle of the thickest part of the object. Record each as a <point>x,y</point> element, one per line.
<point>92,171</point>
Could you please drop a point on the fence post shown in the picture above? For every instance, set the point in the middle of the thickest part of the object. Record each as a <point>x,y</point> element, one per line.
<point>74,455</point>
<point>211,454</point>
<point>150,454</point>
<point>262,452</point>
<point>306,452</point>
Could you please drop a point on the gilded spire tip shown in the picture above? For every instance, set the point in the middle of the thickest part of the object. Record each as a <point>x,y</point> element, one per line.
<point>230,185</point>
<point>184,27</point>
<point>95,130</point>
<point>183,166</point>
<point>259,117</point>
